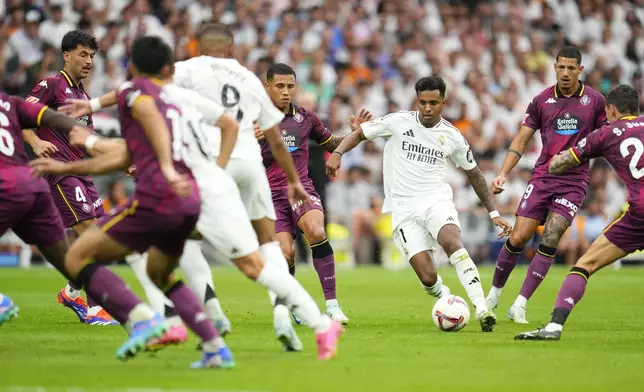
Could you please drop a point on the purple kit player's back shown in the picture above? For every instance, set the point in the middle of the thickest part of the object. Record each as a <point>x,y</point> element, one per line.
<point>297,127</point>
<point>621,144</point>
<point>562,122</point>
<point>76,196</point>
<point>25,201</point>
<point>156,215</point>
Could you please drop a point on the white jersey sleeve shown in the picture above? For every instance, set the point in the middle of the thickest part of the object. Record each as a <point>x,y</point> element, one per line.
<point>462,155</point>
<point>210,109</point>
<point>379,127</point>
<point>269,115</point>
<point>182,75</point>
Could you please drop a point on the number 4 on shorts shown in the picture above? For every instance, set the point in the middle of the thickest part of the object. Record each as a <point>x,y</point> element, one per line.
<point>79,195</point>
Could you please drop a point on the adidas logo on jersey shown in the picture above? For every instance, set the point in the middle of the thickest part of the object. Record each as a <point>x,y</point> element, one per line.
<point>409,133</point>
<point>551,100</point>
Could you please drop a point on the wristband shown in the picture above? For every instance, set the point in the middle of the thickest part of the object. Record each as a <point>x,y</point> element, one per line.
<point>95,104</point>
<point>90,142</point>
<point>337,152</point>
<point>494,214</point>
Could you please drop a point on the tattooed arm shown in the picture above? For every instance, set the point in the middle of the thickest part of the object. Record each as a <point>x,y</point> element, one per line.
<point>476,178</point>
<point>562,162</point>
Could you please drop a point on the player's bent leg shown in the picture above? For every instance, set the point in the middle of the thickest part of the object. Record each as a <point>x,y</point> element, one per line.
<point>554,229</point>
<point>601,253</point>
<point>449,238</point>
<point>425,270</point>
<point>522,233</point>
<point>288,249</point>
<point>312,225</point>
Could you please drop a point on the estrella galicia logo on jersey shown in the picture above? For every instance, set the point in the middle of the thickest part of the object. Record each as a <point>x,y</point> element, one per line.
<point>567,124</point>
<point>420,153</point>
<point>291,142</point>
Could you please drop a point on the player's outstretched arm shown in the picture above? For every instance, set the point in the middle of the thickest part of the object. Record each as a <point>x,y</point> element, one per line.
<point>513,156</point>
<point>478,182</point>
<point>354,123</point>
<point>116,160</point>
<point>229,131</point>
<point>348,143</point>
<point>562,162</point>
<point>81,107</point>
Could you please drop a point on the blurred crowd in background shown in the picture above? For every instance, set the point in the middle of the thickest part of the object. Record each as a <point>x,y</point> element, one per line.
<point>494,55</point>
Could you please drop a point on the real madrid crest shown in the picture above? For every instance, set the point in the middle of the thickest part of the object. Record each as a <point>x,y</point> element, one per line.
<point>298,118</point>
<point>585,100</point>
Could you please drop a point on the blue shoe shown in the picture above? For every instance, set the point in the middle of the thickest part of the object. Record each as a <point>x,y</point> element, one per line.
<point>142,333</point>
<point>8,309</point>
<point>297,320</point>
<point>101,318</point>
<point>221,359</point>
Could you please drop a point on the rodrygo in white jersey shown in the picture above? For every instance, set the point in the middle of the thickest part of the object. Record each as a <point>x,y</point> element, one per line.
<point>415,159</point>
<point>238,91</point>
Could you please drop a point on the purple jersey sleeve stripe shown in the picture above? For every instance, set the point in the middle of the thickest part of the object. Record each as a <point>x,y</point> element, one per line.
<point>572,152</point>
<point>40,114</point>
<point>327,140</point>
<point>62,194</point>
<point>124,214</point>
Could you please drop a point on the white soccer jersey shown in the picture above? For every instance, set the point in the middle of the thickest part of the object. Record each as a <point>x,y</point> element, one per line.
<point>238,90</point>
<point>415,159</point>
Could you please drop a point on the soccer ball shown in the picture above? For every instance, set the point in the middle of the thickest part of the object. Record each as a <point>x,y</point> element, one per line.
<point>451,313</point>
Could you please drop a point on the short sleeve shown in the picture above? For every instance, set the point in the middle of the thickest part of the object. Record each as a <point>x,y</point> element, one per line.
<point>29,113</point>
<point>600,118</point>
<point>592,146</point>
<point>43,92</point>
<point>377,128</point>
<point>463,156</point>
<point>319,132</point>
<point>269,115</point>
<point>128,93</point>
<point>532,116</point>
<point>182,75</point>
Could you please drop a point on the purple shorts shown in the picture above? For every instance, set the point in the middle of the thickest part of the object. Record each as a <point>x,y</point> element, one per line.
<point>287,215</point>
<point>32,216</point>
<point>77,200</point>
<point>140,226</point>
<point>540,197</point>
<point>626,232</point>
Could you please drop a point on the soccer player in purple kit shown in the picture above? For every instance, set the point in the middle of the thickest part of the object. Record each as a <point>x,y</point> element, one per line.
<point>620,143</point>
<point>564,113</point>
<point>159,218</point>
<point>297,127</point>
<point>76,197</point>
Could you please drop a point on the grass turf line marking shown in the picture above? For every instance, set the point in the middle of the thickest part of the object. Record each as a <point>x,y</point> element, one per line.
<point>80,389</point>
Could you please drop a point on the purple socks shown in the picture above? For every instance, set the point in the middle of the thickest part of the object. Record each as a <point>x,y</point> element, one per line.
<point>324,263</point>
<point>505,263</point>
<point>539,267</point>
<point>191,312</point>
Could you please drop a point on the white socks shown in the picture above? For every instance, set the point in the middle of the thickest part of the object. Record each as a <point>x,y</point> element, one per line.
<point>521,301</point>
<point>553,327</point>
<point>469,277</point>
<point>437,290</point>
<point>495,292</point>
<point>72,292</point>
<point>155,296</point>
<point>199,278</point>
<point>285,286</point>
<point>272,254</point>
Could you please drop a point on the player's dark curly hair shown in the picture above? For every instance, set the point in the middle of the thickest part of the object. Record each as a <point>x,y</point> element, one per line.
<point>569,52</point>
<point>76,38</point>
<point>625,98</point>
<point>279,69</point>
<point>431,83</point>
<point>150,55</point>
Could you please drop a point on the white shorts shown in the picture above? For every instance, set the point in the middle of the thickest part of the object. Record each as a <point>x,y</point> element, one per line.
<point>417,231</point>
<point>223,222</point>
<point>250,176</point>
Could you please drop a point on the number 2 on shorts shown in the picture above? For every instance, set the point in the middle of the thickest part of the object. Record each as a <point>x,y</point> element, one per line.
<point>79,195</point>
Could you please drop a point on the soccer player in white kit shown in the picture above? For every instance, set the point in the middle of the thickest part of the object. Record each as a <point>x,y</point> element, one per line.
<point>224,223</point>
<point>419,143</point>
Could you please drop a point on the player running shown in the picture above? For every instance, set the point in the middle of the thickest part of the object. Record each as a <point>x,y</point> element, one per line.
<point>225,225</point>
<point>297,127</point>
<point>564,113</point>
<point>159,217</point>
<point>418,146</point>
<point>76,197</point>
<point>620,143</point>
<point>26,203</point>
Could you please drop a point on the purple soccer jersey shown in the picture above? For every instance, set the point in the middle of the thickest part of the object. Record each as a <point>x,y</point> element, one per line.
<point>25,201</point>
<point>621,144</point>
<point>297,127</point>
<point>156,215</point>
<point>562,122</point>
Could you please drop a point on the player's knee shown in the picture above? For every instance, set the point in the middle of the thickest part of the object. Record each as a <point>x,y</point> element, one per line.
<point>519,239</point>
<point>315,233</point>
<point>250,265</point>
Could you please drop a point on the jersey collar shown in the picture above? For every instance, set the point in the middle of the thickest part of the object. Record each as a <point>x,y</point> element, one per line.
<point>291,110</point>
<point>578,93</point>
<point>628,117</point>
<point>66,76</point>
<point>421,124</point>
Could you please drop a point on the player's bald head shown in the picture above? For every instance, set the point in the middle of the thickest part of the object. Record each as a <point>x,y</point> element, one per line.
<point>216,39</point>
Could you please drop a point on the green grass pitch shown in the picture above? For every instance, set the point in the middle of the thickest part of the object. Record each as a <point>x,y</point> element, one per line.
<point>391,344</point>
